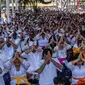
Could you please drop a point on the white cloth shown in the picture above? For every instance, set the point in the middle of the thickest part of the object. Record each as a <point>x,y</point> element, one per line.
<point>48,84</point>
<point>31,43</point>
<point>75,46</point>
<point>76,71</point>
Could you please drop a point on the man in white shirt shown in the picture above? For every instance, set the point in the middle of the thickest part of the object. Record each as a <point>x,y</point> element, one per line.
<point>3,51</point>
<point>42,38</point>
<point>10,47</point>
<point>47,68</point>
<point>3,59</point>
<point>33,56</point>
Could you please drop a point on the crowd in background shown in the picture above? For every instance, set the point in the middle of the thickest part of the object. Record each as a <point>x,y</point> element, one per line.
<point>46,45</point>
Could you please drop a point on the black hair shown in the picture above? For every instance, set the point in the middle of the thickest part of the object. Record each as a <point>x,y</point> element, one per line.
<point>53,36</point>
<point>52,44</point>
<point>45,51</point>
<point>14,35</point>
<point>58,80</point>
<point>69,53</point>
<point>79,42</point>
<point>21,84</point>
<point>75,57</point>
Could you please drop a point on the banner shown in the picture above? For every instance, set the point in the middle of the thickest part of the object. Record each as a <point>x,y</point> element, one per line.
<point>78,4</point>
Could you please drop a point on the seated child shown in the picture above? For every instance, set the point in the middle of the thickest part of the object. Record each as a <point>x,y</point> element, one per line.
<point>17,68</point>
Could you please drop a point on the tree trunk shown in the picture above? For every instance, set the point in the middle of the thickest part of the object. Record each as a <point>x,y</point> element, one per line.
<point>24,6</point>
<point>7,9</point>
<point>13,9</point>
<point>0,8</point>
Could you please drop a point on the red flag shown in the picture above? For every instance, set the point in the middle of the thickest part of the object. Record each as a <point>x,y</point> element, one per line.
<point>78,4</point>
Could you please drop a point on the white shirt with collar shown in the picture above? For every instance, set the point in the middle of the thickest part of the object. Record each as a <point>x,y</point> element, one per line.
<point>48,74</point>
<point>33,59</point>
<point>62,53</point>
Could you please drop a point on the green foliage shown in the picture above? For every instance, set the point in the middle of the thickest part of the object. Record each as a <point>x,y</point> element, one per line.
<point>82,0</point>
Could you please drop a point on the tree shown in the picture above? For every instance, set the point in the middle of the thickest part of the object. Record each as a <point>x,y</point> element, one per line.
<point>32,3</point>
<point>82,0</point>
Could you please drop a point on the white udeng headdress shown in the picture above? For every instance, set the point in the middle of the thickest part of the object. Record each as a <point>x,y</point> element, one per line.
<point>31,43</point>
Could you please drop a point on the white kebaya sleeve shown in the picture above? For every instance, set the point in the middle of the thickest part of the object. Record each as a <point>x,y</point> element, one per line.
<point>70,65</point>
<point>23,55</point>
<point>8,65</point>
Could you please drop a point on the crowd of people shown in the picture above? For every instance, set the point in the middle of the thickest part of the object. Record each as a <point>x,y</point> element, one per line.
<point>46,45</point>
